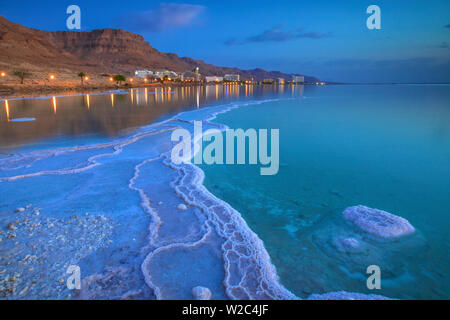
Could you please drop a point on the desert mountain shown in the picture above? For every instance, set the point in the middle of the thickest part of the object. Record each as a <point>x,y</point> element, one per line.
<point>99,51</point>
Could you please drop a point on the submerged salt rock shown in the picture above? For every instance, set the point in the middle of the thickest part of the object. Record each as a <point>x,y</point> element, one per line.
<point>378,223</point>
<point>182,207</point>
<point>351,243</point>
<point>201,293</point>
<point>343,295</point>
<point>348,244</point>
<point>19,210</point>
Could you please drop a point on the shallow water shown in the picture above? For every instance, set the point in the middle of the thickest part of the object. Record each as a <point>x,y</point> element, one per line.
<point>99,191</point>
<point>385,147</point>
<point>110,205</point>
<point>79,119</point>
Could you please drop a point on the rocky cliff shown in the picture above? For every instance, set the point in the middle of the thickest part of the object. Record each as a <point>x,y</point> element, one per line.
<point>100,51</point>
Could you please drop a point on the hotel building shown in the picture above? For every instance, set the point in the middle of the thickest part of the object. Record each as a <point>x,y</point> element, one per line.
<point>232,77</point>
<point>298,79</point>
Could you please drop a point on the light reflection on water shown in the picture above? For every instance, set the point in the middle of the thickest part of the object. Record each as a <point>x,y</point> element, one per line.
<point>109,114</point>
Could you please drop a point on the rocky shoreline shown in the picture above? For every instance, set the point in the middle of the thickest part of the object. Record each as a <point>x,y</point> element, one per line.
<point>35,247</point>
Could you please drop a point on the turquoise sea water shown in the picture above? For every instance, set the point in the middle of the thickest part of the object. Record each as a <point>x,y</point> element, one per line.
<point>386,147</point>
<point>98,190</point>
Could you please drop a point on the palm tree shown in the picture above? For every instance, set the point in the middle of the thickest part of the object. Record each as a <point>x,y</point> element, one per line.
<point>22,75</point>
<point>82,75</point>
<point>151,79</point>
<point>118,78</point>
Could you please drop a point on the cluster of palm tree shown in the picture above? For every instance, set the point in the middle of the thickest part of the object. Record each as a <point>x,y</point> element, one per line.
<point>119,78</point>
<point>22,74</point>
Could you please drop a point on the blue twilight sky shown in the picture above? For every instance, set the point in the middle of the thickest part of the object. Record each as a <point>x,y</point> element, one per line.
<point>324,38</point>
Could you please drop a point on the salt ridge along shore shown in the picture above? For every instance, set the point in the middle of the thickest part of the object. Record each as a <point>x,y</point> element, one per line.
<point>187,243</point>
<point>152,249</point>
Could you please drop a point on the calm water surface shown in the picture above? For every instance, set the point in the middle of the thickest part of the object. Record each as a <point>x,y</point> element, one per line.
<point>71,120</point>
<point>386,147</point>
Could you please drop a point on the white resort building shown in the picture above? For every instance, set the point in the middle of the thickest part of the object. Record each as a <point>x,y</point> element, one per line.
<point>298,79</point>
<point>143,73</point>
<point>213,79</point>
<point>232,77</point>
<point>166,73</point>
<point>193,75</point>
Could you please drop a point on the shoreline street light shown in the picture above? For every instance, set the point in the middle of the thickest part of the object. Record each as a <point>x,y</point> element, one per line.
<point>52,77</point>
<point>86,78</point>
<point>3,74</point>
<point>111,79</point>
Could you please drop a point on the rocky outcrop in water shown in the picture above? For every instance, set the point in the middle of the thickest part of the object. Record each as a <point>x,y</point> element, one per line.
<point>201,293</point>
<point>378,223</point>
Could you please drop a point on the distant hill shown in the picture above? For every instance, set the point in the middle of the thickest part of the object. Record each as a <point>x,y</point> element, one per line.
<point>100,51</point>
